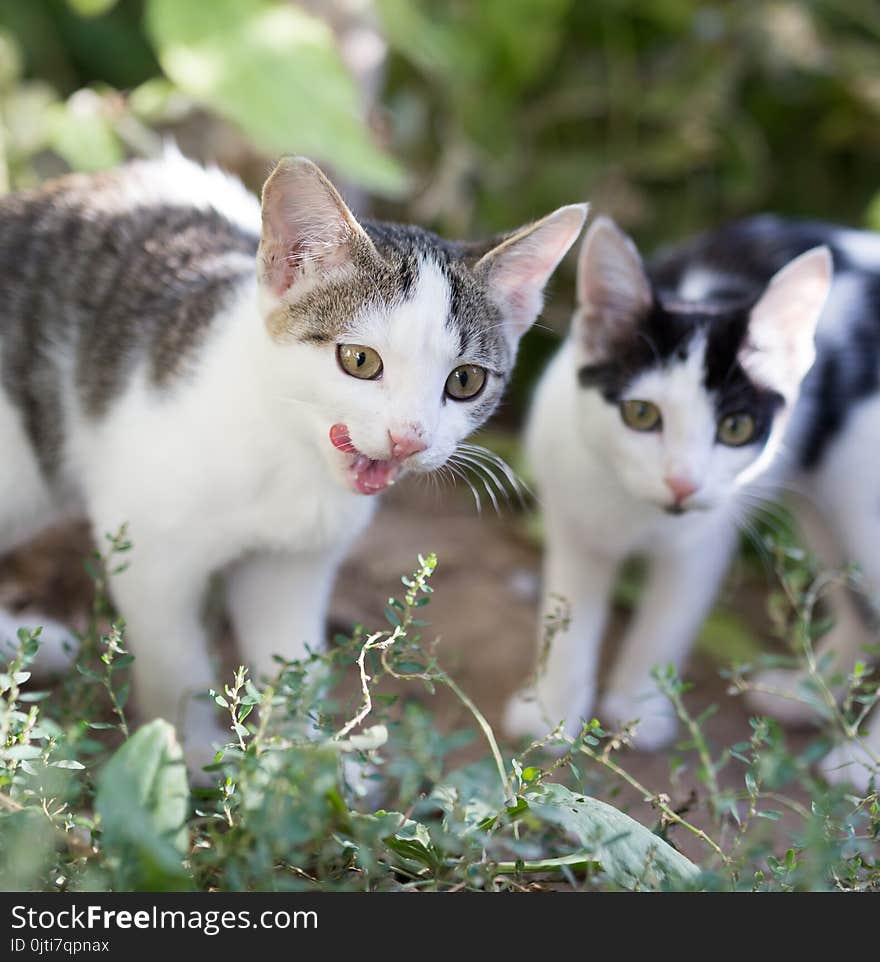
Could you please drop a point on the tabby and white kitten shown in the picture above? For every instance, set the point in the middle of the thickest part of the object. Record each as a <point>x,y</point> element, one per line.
<point>682,396</point>
<point>234,388</point>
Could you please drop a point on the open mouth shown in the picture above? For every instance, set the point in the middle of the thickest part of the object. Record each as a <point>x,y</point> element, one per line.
<point>368,475</point>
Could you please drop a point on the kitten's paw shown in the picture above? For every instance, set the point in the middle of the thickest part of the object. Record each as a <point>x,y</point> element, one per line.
<point>657,726</point>
<point>525,717</point>
<point>850,764</point>
<point>782,697</point>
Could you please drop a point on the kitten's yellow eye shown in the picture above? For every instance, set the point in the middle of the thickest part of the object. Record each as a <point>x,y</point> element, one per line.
<point>736,429</point>
<point>640,415</point>
<point>465,382</point>
<point>359,361</point>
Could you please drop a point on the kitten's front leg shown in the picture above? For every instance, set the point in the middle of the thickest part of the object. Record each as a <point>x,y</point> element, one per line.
<point>680,591</point>
<point>160,597</point>
<point>566,682</point>
<point>278,603</point>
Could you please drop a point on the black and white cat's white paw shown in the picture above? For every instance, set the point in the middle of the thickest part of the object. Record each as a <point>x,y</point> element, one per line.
<point>657,724</point>
<point>851,763</point>
<point>781,694</point>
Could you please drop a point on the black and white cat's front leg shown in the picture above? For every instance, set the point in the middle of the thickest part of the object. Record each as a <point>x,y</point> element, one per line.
<point>681,587</point>
<point>576,583</point>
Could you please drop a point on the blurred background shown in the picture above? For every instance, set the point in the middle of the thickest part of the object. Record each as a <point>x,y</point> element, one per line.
<point>467,117</point>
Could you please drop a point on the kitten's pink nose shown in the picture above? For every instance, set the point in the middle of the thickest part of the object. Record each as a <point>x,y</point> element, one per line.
<point>681,488</point>
<point>406,443</point>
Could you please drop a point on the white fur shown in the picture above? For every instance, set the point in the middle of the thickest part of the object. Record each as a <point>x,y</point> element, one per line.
<point>603,487</point>
<point>418,354</point>
<point>179,181</point>
<point>230,468</point>
<point>698,283</point>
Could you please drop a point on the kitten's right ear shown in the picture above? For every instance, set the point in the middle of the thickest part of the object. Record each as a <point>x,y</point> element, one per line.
<point>613,290</point>
<point>306,226</point>
<point>780,348</point>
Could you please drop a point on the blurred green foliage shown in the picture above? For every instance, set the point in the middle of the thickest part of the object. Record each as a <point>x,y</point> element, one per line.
<point>670,115</point>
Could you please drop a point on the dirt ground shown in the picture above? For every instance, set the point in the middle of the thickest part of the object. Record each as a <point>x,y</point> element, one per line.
<point>483,610</point>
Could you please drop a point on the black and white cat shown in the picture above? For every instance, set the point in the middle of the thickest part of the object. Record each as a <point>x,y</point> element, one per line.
<point>682,395</point>
<point>234,387</point>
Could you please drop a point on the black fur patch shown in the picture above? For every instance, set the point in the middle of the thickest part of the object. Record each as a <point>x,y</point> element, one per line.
<point>664,336</point>
<point>746,254</point>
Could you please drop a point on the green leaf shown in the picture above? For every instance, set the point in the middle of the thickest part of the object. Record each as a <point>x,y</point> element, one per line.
<point>142,803</point>
<point>630,854</point>
<point>91,8</point>
<point>83,135</point>
<point>409,667</point>
<point>407,839</point>
<point>16,752</point>
<point>275,71</point>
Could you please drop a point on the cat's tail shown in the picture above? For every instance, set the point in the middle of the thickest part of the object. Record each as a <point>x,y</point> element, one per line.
<point>58,644</point>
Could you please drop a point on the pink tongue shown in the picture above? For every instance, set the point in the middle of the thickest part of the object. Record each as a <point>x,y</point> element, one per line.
<point>339,438</point>
<point>373,476</point>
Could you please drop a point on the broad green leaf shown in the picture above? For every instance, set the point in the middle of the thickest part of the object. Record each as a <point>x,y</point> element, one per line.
<point>275,71</point>
<point>630,854</point>
<point>91,8</point>
<point>27,842</point>
<point>142,803</point>
<point>84,136</point>
<point>16,752</point>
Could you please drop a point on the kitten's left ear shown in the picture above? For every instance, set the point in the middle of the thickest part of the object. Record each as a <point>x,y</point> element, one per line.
<point>782,324</point>
<point>518,269</point>
<point>307,229</point>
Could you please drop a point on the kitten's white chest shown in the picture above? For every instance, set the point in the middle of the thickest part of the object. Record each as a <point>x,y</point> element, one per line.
<point>295,504</point>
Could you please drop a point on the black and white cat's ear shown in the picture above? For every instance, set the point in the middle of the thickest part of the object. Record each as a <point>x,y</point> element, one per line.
<point>613,290</point>
<point>519,267</point>
<point>782,323</point>
<point>306,226</point>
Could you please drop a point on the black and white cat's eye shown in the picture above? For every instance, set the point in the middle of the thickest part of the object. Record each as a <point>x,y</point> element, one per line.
<point>737,429</point>
<point>641,415</point>
<point>466,382</point>
<point>359,361</point>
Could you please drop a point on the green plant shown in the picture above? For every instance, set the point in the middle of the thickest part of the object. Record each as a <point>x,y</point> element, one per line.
<point>293,804</point>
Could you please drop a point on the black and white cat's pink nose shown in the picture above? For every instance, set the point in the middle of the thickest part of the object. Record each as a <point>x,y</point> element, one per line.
<point>682,488</point>
<point>407,442</point>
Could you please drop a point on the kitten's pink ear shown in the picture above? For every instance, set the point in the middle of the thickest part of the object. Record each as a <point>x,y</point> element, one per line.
<point>782,324</point>
<point>306,226</point>
<point>519,268</point>
<point>613,290</point>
